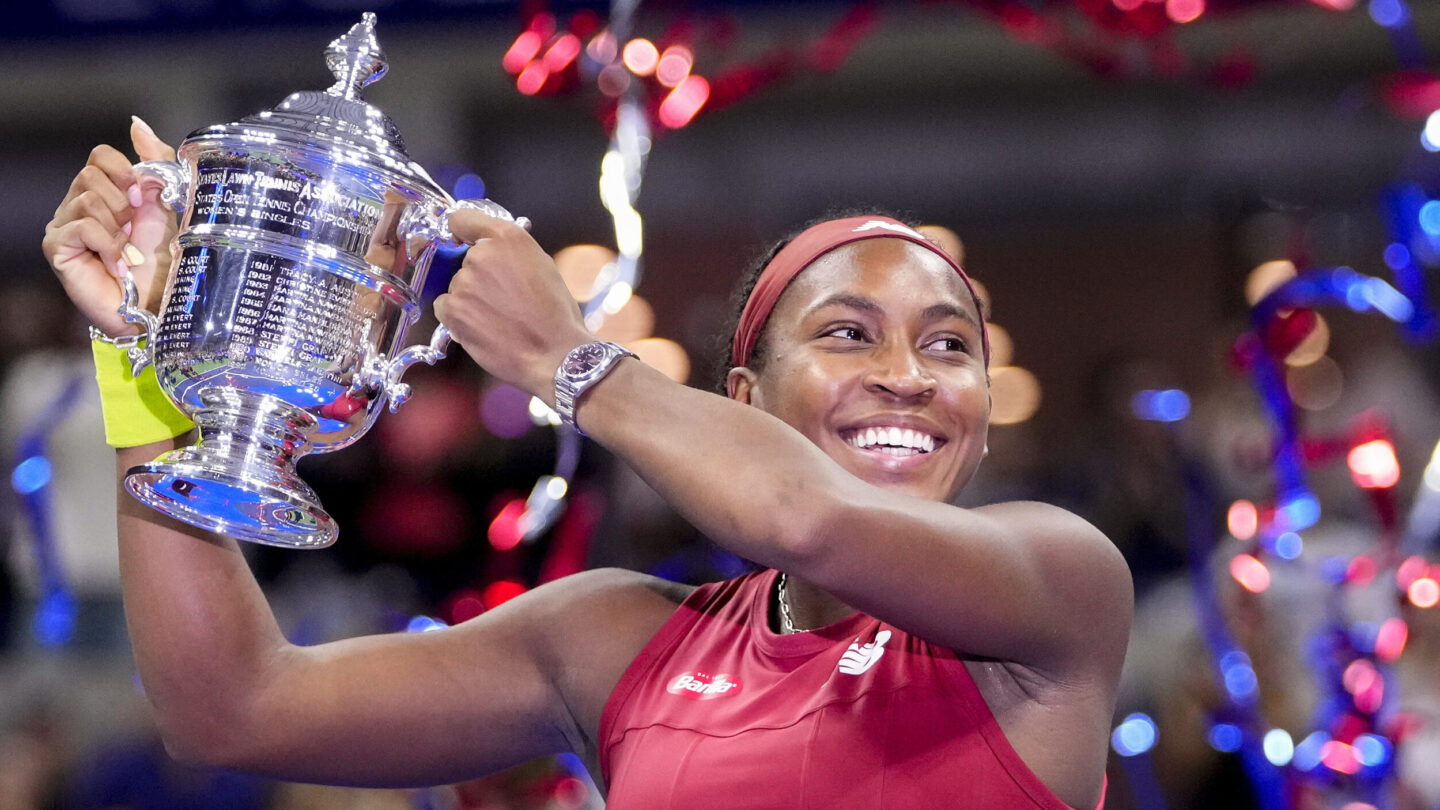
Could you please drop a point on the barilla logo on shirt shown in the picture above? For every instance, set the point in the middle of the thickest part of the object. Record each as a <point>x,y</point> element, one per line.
<point>703,686</point>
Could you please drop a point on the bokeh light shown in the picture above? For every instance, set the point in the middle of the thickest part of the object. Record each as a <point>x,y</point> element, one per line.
<point>1266,277</point>
<point>505,531</point>
<point>505,410</point>
<point>562,53</point>
<point>1432,470</point>
<point>1289,546</point>
<point>674,65</point>
<point>580,266</point>
<point>684,102</point>
<point>1165,405</point>
<point>1238,675</point>
<point>1340,757</point>
<point>1430,217</point>
<point>613,80</point>
<point>1390,639</point>
<point>425,624</point>
<point>1242,519</point>
<point>1250,572</point>
<point>1308,752</point>
<point>464,606</point>
<point>1430,135</point>
<point>501,591</point>
<point>1136,734</point>
<point>1279,747</point>
<point>1225,737</point>
<point>1361,570</point>
<point>603,48</point>
<point>1002,346</point>
<point>1423,592</point>
<point>1397,256</point>
<point>1184,11</point>
<point>640,56</point>
<point>1299,512</point>
<point>948,240</point>
<point>1316,385</point>
<point>1313,346</point>
<point>1389,13</point>
<point>666,356</point>
<point>633,321</point>
<point>532,78</point>
<point>1372,750</point>
<point>30,475</point>
<point>1014,395</point>
<point>522,51</point>
<point>1373,465</point>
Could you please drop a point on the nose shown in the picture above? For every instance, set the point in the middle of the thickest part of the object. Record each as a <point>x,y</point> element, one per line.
<point>900,372</point>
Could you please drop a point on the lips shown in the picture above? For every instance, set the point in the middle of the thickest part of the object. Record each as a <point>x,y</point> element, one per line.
<point>892,440</point>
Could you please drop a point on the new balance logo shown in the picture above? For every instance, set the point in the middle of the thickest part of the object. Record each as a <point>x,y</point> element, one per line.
<point>702,686</point>
<point>859,659</point>
<point>889,226</point>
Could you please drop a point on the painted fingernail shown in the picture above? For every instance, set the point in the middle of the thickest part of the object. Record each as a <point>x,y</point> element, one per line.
<point>144,127</point>
<point>133,256</point>
<point>133,195</point>
<point>127,227</point>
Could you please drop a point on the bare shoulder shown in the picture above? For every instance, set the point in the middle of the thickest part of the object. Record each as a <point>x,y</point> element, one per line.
<point>593,625</point>
<point>1076,563</point>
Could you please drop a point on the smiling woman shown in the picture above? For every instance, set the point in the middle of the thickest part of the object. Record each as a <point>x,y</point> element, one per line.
<point>897,651</point>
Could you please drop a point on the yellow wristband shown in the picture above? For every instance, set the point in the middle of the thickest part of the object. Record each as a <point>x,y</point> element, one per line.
<point>136,410</point>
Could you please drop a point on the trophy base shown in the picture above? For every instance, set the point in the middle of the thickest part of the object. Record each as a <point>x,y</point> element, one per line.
<point>232,504</point>
<point>239,480</point>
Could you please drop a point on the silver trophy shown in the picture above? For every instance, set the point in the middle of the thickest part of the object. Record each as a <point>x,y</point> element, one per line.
<point>305,236</point>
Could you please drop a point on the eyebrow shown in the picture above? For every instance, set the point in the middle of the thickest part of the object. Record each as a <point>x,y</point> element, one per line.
<point>934,312</point>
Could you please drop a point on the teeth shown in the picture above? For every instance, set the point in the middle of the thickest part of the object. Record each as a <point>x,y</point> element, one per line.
<point>894,441</point>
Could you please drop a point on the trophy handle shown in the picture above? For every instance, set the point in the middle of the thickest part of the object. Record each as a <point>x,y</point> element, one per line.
<point>174,177</point>
<point>140,356</point>
<point>175,193</point>
<point>382,374</point>
<point>434,225</point>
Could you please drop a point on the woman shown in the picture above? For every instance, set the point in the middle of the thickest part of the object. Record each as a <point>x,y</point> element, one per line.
<point>939,656</point>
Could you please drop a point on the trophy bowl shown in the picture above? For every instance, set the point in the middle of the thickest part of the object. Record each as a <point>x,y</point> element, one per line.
<point>304,238</point>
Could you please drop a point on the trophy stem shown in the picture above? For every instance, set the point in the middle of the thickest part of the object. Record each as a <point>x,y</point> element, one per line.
<point>239,479</point>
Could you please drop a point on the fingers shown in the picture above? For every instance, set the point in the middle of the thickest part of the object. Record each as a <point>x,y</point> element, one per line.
<point>441,305</point>
<point>470,225</point>
<point>86,245</point>
<point>104,204</point>
<point>147,144</point>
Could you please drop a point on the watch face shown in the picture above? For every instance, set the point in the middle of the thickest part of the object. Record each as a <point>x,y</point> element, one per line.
<point>583,360</point>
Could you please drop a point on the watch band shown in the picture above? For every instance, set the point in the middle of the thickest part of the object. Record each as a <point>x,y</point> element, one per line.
<point>584,366</point>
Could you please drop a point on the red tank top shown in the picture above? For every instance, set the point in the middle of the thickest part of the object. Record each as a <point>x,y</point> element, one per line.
<point>718,711</point>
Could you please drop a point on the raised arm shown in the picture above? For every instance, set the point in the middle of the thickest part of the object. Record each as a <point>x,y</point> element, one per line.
<point>526,679</point>
<point>1019,582</point>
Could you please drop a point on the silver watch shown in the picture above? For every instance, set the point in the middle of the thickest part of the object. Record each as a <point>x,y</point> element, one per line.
<point>584,366</point>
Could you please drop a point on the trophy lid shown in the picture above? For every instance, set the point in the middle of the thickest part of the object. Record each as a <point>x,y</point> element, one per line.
<point>338,116</point>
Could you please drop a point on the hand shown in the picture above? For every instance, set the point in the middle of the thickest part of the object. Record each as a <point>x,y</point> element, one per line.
<point>508,306</point>
<point>111,223</point>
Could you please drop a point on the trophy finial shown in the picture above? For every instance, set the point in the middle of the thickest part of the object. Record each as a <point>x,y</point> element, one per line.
<point>355,58</point>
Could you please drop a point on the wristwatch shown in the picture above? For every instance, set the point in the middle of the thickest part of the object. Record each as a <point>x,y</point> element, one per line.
<point>584,366</point>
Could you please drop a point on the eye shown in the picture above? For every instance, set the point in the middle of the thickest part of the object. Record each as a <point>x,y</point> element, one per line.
<point>845,332</point>
<point>948,343</point>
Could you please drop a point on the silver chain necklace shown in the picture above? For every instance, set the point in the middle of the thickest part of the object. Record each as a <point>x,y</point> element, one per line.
<point>787,622</point>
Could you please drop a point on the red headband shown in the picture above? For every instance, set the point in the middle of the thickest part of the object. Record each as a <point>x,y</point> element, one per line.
<point>814,242</point>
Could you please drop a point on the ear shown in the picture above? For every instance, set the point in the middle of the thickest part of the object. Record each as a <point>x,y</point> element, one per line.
<point>740,385</point>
